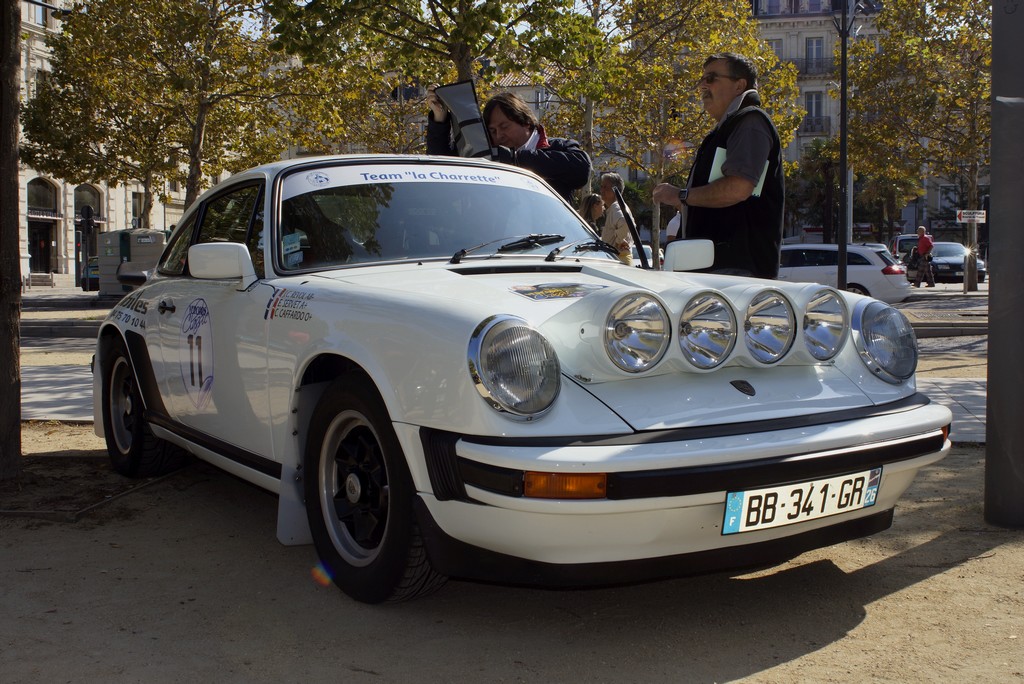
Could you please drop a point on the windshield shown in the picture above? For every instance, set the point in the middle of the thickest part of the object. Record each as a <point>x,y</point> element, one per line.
<point>345,215</point>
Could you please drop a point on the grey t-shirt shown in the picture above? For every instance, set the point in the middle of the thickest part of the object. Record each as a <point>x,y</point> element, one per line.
<point>749,145</point>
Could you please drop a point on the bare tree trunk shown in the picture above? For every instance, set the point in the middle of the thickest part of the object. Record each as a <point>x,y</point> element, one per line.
<point>195,156</point>
<point>147,200</point>
<point>827,217</point>
<point>10,252</point>
<point>588,135</point>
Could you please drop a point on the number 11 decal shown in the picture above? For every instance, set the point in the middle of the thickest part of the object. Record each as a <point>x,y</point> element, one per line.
<point>195,346</point>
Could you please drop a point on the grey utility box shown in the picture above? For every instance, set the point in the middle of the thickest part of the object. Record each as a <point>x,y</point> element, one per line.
<point>138,250</point>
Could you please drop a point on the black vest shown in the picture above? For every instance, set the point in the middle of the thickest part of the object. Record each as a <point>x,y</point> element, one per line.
<point>746,235</point>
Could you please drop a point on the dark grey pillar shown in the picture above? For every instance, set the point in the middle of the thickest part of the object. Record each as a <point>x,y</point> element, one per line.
<point>1004,459</point>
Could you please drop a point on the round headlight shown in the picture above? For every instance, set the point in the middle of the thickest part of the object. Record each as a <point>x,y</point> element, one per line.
<point>636,333</point>
<point>514,367</point>
<point>825,324</point>
<point>769,327</point>
<point>887,343</point>
<point>707,330</point>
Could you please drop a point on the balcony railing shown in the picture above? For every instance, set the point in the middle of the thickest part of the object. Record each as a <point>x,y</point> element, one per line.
<point>38,213</point>
<point>816,125</point>
<point>811,66</point>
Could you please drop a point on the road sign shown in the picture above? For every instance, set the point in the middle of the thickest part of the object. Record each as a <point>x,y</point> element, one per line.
<point>970,215</point>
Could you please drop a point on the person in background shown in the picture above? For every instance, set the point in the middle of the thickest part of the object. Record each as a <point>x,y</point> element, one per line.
<point>736,189</point>
<point>592,209</point>
<point>925,244</point>
<point>616,230</point>
<point>520,139</point>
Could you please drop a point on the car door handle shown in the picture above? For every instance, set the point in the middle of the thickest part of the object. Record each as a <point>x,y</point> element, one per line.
<point>164,307</point>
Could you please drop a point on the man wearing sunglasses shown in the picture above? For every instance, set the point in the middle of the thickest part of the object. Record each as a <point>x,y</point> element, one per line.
<point>735,191</point>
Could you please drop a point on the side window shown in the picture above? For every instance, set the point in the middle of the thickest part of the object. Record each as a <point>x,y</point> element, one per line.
<point>173,260</point>
<point>786,258</point>
<point>226,217</point>
<point>854,259</point>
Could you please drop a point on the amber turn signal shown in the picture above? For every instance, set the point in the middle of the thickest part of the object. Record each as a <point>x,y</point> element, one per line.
<point>565,486</point>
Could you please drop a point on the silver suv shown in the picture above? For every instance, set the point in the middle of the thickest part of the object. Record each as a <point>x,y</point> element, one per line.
<point>902,244</point>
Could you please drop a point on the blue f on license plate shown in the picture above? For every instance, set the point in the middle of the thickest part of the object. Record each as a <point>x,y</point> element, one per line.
<point>759,509</point>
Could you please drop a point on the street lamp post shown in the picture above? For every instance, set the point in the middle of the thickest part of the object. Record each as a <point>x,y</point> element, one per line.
<point>843,25</point>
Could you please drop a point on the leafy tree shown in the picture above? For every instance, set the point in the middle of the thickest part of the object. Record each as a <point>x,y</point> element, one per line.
<point>183,90</point>
<point>583,55</point>
<point>432,37</point>
<point>362,107</point>
<point>91,119</point>
<point>647,115</point>
<point>883,197</point>
<point>932,72</point>
<point>816,183</point>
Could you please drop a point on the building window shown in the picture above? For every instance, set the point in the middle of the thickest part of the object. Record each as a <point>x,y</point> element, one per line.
<point>137,202</point>
<point>39,15</point>
<point>814,56</point>
<point>776,45</point>
<point>813,5</point>
<point>813,103</point>
<point>949,198</point>
<point>39,80</point>
<point>815,122</point>
<point>87,195</point>
<point>543,98</point>
<point>41,196</point>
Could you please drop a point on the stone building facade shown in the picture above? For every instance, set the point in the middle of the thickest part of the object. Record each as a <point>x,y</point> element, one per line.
<point>51,245</point>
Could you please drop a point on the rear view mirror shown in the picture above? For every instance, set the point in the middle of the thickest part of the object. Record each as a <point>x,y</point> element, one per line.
<point>689,255</point>
<point>221,261</point>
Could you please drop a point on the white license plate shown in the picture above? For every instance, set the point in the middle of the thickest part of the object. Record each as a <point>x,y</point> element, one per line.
<point>759,509</point>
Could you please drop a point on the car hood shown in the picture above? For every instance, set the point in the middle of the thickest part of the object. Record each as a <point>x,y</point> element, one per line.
<point>569,305</point>
<point>955,260</point>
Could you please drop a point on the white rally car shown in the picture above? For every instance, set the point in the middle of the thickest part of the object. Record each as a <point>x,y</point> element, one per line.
<point>442,372</point>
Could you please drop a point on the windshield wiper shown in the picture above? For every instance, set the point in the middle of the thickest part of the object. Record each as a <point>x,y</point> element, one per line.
<point>589,245</point>
<point>511,245</point>
<point>531,241</point>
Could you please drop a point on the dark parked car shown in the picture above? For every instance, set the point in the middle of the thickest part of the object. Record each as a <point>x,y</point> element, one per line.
<point>91,276</point>
<point>947,263</point>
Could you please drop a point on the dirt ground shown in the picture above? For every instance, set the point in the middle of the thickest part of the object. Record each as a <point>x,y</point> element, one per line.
<point>181,578</point>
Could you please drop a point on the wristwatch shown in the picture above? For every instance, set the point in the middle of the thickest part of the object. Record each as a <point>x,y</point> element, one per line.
<point>682,196</point>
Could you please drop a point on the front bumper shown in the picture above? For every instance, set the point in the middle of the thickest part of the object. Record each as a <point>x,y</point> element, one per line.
<point>667,490</point>
<point>455,558</point>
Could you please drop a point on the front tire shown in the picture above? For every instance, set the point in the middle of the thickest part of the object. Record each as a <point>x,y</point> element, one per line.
<point>359,498</point>
<point>133,448</point>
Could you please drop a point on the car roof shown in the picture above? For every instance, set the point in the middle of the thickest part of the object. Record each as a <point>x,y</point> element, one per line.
<point>276,167</point>
<point>830,246</point>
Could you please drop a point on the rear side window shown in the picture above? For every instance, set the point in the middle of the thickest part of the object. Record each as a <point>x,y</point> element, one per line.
<point>857,259</point>
<point>886,258</point>
<point>812,257</point>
